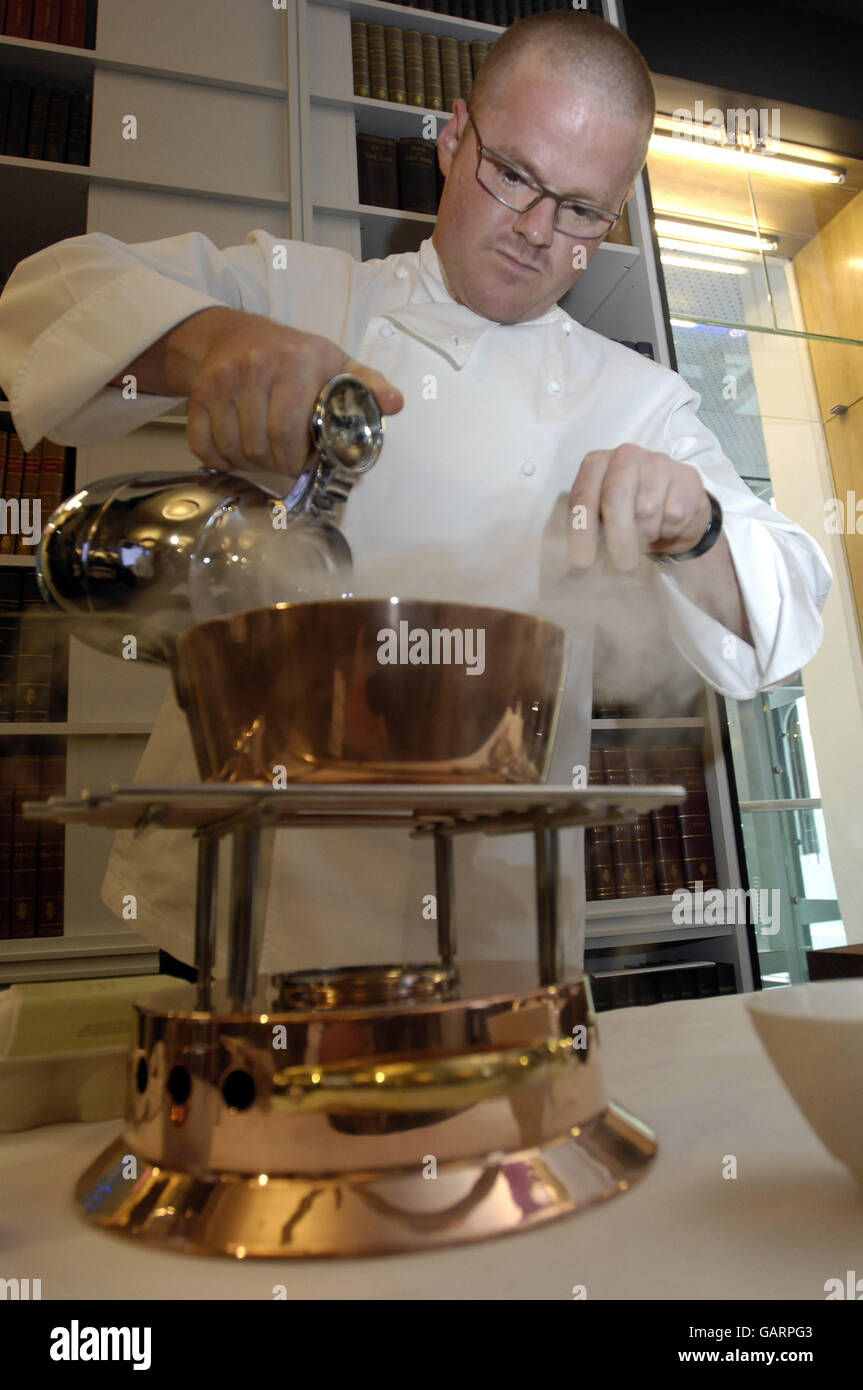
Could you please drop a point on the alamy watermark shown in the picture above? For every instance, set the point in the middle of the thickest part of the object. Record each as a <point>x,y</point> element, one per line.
<point>21,517</point>
<point>436,646</point>
<point>736,123</point>
<point>726,907</point>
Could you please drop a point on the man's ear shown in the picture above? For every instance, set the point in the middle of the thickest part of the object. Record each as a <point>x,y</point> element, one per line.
<point>450,137</point>
<point>630,194</point>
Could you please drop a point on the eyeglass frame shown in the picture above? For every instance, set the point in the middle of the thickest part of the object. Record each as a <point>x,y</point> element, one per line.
<point>543,192</point>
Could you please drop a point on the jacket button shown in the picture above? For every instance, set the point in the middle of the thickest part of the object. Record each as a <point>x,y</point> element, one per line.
<point>401,273</point>
<point>528,468</point>
<point>386,330</point>
<point>554,388</point>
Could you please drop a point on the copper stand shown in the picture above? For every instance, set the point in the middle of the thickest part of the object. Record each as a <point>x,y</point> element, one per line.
<point>373,1109</point>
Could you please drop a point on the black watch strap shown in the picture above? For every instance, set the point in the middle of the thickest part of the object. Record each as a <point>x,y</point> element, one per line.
<point>709,539</point>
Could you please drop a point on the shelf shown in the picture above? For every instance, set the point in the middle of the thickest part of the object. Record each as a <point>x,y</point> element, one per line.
<point>74,66</point>
<point>27,174</point>
<point>63,730</point>
<point>22,562</point>
<point>641,936</point>
<point>684,722</point>
<point>390,118</point>
<point>76,957</point>
<point>427,22</point>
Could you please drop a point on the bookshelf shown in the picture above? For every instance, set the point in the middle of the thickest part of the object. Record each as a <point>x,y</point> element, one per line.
<point>261,131</point>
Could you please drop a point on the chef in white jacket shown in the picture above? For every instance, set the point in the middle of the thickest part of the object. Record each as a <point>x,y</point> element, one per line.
<point>525,457</point>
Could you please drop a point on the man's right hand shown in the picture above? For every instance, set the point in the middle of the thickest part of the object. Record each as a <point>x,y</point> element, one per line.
<point>251,385</point>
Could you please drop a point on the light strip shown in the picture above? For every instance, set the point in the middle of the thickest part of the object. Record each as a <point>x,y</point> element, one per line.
<point>728,253</point>
<point>683,323</point>
<point>744,160</point>
<point>715,236</point>
<point>691,262</point>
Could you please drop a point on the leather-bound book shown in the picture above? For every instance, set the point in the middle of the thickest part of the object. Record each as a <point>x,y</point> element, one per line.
<point>417,175</point>
<point>395,51</point>
<point>18,119</point>
<point>414,72</point>
<point>449,71</point>
<point>667,854</point>
<point>360,58</point>
<point>432,70</point>
<point>73,23</point>
<point>29,495</point>
<point>599,865</point>
<point>626,877</point>
<point>57,129</point>
<point>501,15</point>
<point>46,21</point>
<point>696,836</point>
<point>78,142</point>
<point>12,488</point>
<point>377,171</point>
<point>40,100</point>
<point>478,54</point>
<point>25,848</point>
<point>18,23</point>
<point>465,70</point>
<point>638,775</point>
<point>10,614</point>
<point>378,62</point>
<point>52,850</point>
<point>36,658</point>
<point>7,804</point>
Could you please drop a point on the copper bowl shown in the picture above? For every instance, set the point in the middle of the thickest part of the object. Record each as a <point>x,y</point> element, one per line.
<point>372,690</point>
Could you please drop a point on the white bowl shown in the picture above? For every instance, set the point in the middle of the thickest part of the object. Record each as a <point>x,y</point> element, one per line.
<point>813,1035</point>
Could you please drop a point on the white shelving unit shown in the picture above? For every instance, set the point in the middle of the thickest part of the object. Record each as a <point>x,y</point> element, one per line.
<point>258,129</point>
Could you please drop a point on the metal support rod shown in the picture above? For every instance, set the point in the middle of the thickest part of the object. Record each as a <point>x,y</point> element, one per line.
<point>546,872</point>
<point>247,912</point>
<point>205,915</point>
<point>443,893</point>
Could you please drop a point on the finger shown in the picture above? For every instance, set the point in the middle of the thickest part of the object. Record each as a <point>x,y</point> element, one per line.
<point>617,506</point>
<point>650,508</point>
<point>389,397</point>
<point>584,513</point>
<point>288,416</point>
<point>200,437</point>
<point>225,429</point>
<point>686,513</point>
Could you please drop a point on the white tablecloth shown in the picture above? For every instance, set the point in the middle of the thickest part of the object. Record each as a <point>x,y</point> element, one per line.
<point>694,1070</point>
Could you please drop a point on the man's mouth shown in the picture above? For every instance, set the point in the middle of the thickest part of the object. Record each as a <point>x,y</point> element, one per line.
<point>513,261</point>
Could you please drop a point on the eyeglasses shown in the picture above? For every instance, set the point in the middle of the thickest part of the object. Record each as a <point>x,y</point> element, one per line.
<point>514,188</point>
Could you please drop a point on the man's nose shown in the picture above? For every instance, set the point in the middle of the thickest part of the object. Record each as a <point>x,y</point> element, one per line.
<point>537,224</point>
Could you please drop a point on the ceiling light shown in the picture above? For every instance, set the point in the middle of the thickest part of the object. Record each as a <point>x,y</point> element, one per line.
<point>728,253</point>
<point>693,263</point>
<point>745,160</point>
<point>715,236</point>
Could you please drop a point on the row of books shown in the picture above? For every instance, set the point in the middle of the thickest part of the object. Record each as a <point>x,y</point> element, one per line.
<point>499,12</point>
<point>34,653</point>
<point>40,120</point>
<point>31,852</point>
<point>658,853</point>
<point>69,22</point>
<point>401,174</point>
<point>31,486</point>
<point>659,984</point>
<point>407,67</point>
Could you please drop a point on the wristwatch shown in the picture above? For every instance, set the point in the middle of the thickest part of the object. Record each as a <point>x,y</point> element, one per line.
<point>710,537</point>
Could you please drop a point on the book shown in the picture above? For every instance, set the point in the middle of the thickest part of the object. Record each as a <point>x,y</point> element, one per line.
<point>73,23</point>
<point>450,79</point>
<point>40,97</point>
<point>18,23</point>
<point>10,611</point>
<point>395,55</point>
<point>432,71</point>
<point>465,70</point>
<point>25,847</point>
<point>57,129</point>
<point>478,54</point>
<point>52,850</point>
<point>360,56</point>
<point>665,824</point>
<point>78,143</point>
<point>37,636</point>
<point>12,493</point>
<point>696,837</point>
<point>637,775</point>
<point>7,801</point>
<point>414,73</point>
<point>417,160</point>
<point>599,865</point>
<point>51,479</point>
<point>377,171</point>
<point>28,513</point>
<point>17,119</point>
<point>46,21</point>
<point>377,62</point>
<point>626,876</point>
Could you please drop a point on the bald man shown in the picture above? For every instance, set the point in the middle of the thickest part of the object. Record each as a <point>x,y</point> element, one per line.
<point>499,405</point>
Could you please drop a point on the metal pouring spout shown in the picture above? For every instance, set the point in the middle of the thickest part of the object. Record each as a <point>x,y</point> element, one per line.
<point>146,556</point>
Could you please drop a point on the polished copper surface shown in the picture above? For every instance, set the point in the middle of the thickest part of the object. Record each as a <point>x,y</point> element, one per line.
<point>472,694</point>
<point>367,1128</point>
<point>363,984</point>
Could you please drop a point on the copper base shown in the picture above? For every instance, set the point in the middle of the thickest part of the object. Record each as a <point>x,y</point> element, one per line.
<point>367,1213</point>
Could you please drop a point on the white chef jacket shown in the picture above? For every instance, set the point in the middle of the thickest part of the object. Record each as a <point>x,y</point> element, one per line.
<point>466,502</point>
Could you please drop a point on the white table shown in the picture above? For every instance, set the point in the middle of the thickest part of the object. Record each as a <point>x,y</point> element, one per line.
<point>694,1070</point>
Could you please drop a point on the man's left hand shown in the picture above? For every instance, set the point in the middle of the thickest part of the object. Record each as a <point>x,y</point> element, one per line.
<point>644,501</point>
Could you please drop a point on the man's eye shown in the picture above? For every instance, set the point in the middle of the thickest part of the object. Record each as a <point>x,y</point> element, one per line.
<point>511,178</point>
<point>578,210</point>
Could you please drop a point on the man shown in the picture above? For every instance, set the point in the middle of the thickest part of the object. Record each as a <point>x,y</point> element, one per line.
<point>498,404</point>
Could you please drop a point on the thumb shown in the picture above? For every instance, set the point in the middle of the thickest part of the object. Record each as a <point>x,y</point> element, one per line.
<point>388,397</point>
